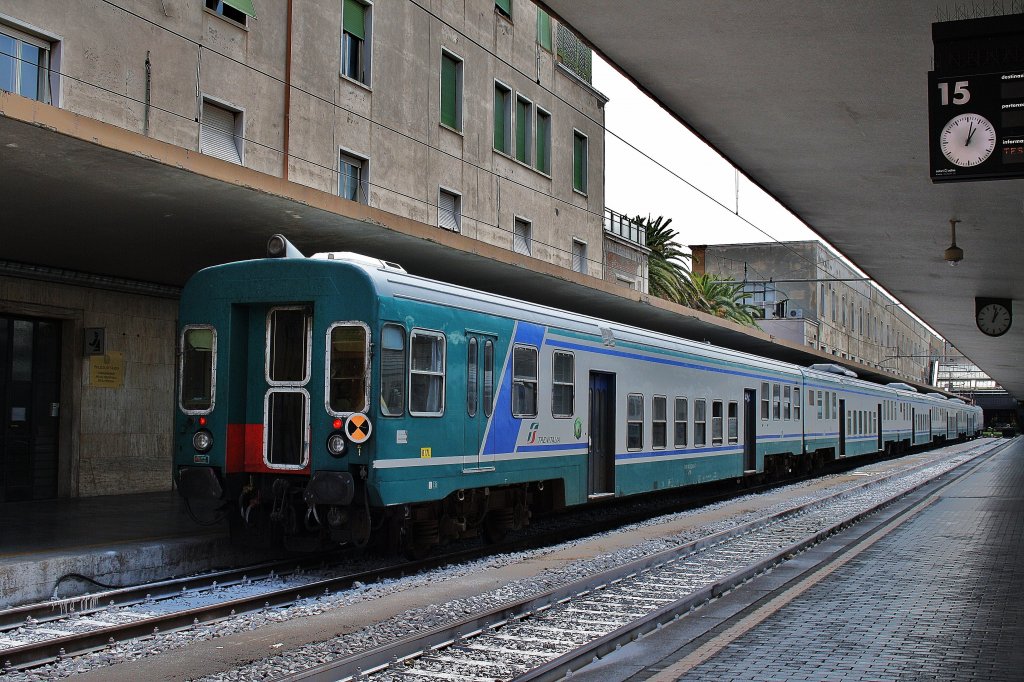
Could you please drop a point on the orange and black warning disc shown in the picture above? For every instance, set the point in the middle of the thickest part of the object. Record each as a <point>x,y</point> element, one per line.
<point>358,428</point>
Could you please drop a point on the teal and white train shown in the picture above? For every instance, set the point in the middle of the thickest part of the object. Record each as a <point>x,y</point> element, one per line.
<point>338,399</point>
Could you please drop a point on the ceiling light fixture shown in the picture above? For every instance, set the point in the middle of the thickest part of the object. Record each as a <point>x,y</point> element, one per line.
<point>954,254</point>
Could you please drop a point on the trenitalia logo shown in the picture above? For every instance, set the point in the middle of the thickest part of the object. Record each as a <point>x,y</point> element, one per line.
<point>532,437</point>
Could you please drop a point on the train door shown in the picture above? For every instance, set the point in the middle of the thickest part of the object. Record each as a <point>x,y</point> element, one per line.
<point>479,396</point>
<point>601,451</point>
<point>29,405</point>
<point>878,426</point>
<point>842,428</point>
<point>749,429</point>
<point>289,335</point>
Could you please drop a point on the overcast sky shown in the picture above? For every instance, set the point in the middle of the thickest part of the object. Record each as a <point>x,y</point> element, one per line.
<point>683,179</point>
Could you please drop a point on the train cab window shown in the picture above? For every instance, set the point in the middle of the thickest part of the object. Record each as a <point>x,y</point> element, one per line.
<point>524,381</point>
<point>634,421</point>
<point>198,355</point>
<point>682,417</point>
<point>472,380</point>
<point>563,384</point>
<point>764,400</point>
<point>700,426</point>
<point>734,422</point>
<point>796,403</point>
<point>426,373</point>
<point>488,377</point>
<point>392,370</point>
<point>288,342</point>
<point>776,402</point>
<point>787,402</point>
<point>659,422</point>
<point>347,364</point>
<point>716,422</point>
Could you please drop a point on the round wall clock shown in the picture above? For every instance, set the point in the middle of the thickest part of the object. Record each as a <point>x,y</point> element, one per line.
<point>993,318</point>
<point>967,140</point>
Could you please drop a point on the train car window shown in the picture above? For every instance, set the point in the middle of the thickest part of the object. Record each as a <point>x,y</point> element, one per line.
<point>820,395</point>
<point>810,397</point>
<point>764,400</point>
<point>835,407</point>
<point>347,364</point>
<point>796,403</point>
<point>716,422</point>
<point>198,355</point>
<point>849,424</point>
<point>700,427</point>
<point>787,401</point>
<point>682,417</point>
<point>524,381</point>
<point>288,342</point>
<point>426,373</point>
<point>734,422</point>
<point>828,404</point>
<point>659,422</point>
<point>634,421</point>
<point>287,419</point>
<point>488,377</point>
<point>472,378</point>
<point>392,370</point>
<point>563,384</point>
<point>776,402</point>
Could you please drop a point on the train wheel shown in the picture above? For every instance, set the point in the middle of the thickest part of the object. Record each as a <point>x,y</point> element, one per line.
<point>497,524</point>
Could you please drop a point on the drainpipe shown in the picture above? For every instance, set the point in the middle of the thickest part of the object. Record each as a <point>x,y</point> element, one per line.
<point>287,93</point>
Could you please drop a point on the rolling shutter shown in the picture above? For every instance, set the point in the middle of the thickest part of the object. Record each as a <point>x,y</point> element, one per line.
<point>354,20</point>
<point>505,6</point>
<point>243,6</point>
<point>217,134</point>
<point>448,211</point>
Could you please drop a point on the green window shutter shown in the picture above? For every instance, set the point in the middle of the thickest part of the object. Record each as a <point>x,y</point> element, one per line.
<point>243,6</point>
<point>579,148</point>
<point>543,138</point>
<point>354,21</point>
<point>499,119</point>
<point>449,92</point>
<point>505,6</point>
<point>522,121</point>
<point>543,29</point>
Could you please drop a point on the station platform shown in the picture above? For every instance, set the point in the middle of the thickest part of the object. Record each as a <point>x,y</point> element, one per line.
<point>929,588</point>
<point>115,540</point>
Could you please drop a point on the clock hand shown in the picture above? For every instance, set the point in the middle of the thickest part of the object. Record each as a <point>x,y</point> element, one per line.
<point>970,134</point>
<point>994,313</point>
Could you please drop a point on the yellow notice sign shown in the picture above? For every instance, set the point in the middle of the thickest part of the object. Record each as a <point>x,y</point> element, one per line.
<point>425,453</point>
<point>106,371</point>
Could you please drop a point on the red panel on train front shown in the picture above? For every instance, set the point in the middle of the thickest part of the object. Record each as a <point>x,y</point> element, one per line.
<point>244,449</point>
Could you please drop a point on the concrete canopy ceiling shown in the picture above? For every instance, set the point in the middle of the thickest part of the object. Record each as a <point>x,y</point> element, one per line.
<point>824,105</point>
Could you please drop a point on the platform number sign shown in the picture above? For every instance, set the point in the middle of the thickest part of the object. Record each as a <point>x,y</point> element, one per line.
<point>976,126</point>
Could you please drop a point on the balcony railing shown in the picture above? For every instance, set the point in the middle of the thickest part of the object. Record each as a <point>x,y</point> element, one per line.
<point>574,54</point>
<point>624,227</point>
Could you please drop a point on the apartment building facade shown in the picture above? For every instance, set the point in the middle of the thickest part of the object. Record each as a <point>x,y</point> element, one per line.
<point>473,117</point>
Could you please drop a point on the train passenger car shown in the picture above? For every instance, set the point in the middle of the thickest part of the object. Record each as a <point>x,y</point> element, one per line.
<point>338,399</point>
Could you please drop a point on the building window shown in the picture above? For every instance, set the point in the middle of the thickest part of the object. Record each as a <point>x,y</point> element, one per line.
<point>544,29</point>
<point>821,303</point>
<point>700,426</point>
<point>659,422</point>
<point>502,118</point>
<point>681,422</point>
<point>542,160</point>
<point>524,129</point>
<point>579,256</point>
<point>522,240</point>
<point>355,32</point>
<point>449,210</point>
<point>765,414</point>
<point>451,90</point>
<point>716,422</point>
<point>426,374</point>
<point>563,384</point>
<point>734,422</point>
<point>353,177</point>
<point>392,370</point>
<point>524,381</point>
<point>834,306</point>
<point>24,65</point>
<point>579,162</point>
<point>634,421</point>
<point>229,9</point>
<point>504,8</point>
<point>220,133</point>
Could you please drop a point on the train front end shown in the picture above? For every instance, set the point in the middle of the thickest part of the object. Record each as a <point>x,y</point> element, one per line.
<point>273,397</point>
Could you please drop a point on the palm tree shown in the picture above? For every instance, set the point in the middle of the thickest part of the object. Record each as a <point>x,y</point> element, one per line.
<point>719,297</point>
<point>665,269</point>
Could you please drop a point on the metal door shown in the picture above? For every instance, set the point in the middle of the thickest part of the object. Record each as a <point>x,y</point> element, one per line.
<point>749,429</point>
<point>601,452</point>
<point>287,374</point>
<point>842,428</point>
<point>479,397</point>
<point>29,405</point>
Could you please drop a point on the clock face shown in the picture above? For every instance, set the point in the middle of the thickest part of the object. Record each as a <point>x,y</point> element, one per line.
<point>967,140</point>
<point>993,319</point>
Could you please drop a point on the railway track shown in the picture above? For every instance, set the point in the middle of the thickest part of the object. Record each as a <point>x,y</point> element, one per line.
<point>546,636</point>
<point>39,634</point>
